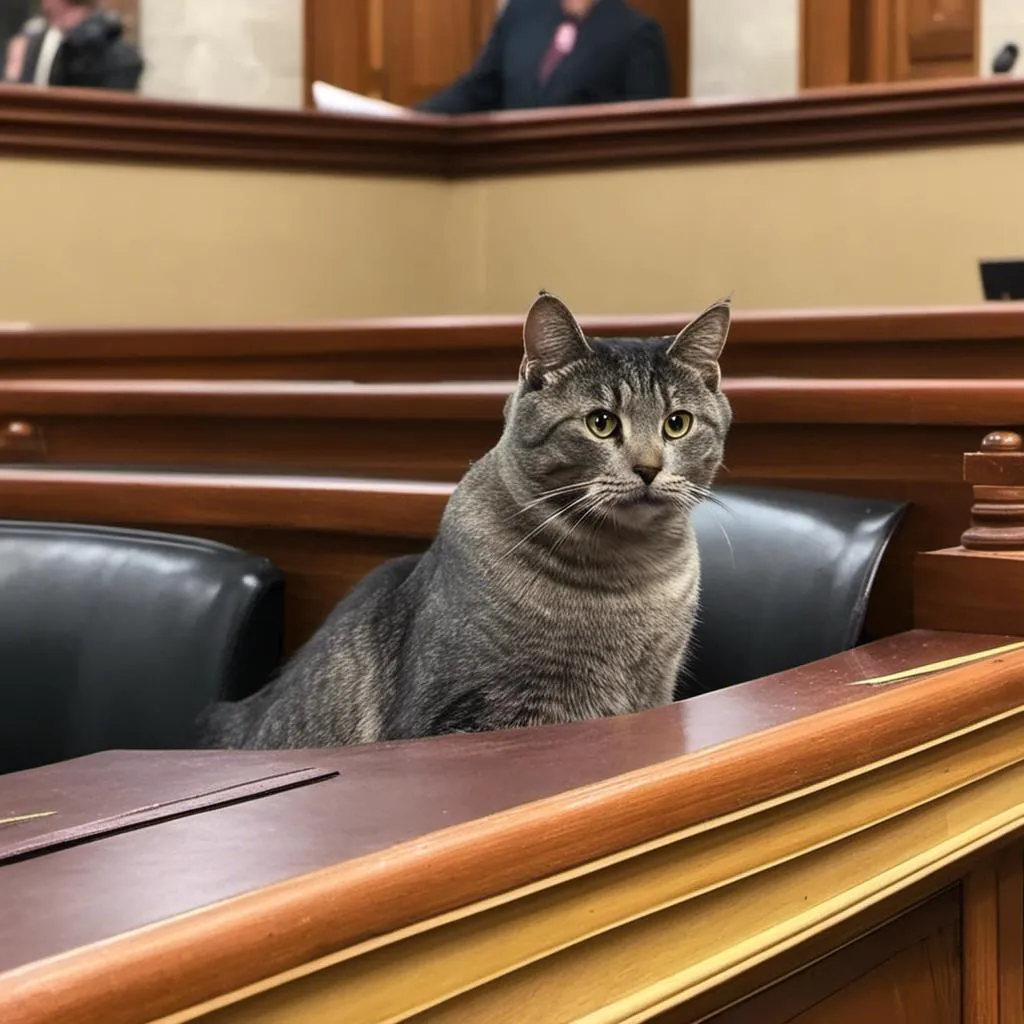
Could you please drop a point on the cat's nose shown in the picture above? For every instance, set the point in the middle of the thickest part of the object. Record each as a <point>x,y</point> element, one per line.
<point>647,473</point>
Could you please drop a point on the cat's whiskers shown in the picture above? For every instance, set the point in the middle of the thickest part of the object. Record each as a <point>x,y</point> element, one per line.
<point>550,519</point>
<point>598,501</point>
<point>555,492</point>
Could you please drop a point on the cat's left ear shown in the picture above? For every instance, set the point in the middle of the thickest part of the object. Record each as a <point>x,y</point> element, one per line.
<point>700,342</point>
<point>552,338</point>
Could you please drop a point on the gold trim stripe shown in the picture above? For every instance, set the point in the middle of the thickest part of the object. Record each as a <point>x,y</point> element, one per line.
<point>940,666</point>
<point>19,818</point>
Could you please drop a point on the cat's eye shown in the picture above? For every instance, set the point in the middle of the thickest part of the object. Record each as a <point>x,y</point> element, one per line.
<point>677,425</point>
<point>602,423</point>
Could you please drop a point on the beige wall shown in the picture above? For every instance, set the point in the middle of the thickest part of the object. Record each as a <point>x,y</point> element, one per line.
<point>98,243</point>
<point>871,229</point>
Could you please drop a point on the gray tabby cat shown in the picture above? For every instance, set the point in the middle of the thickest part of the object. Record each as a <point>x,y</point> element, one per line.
<point>562,584</point>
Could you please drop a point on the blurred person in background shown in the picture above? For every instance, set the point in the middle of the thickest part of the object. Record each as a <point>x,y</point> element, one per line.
<point>13,15</point>
<point>74,43</point>
<point>556,53</point>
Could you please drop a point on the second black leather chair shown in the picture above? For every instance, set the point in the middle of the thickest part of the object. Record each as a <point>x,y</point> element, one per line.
<point>785,580</point>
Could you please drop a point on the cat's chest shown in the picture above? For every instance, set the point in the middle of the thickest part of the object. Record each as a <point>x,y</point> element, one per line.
<point>655,615</point>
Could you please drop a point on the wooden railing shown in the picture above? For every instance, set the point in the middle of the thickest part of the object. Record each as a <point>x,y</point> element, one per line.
<point>943,343</point>
<point>94,125</point>
<point>877,438</point>
<point>847,834</point>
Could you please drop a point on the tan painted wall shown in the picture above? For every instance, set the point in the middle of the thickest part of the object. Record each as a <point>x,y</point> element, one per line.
<point>899,228</point>
<point>100,243</point>
<point>93,243</point>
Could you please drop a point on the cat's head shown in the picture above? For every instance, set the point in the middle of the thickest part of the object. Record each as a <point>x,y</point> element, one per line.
<point>635,425</point>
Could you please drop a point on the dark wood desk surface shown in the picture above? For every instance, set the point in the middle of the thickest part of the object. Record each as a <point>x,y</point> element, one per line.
<point>377,847</point>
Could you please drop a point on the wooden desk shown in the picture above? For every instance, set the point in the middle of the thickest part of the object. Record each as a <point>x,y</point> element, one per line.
<point>797,845</point>
<point>946,343</point>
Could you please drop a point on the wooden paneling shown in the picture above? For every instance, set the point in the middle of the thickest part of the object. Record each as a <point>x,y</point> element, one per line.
<point>398,50</point>
<point>935,39</point>
<point>1010,884</point>
<point>959,589</point>
<point>129,129</point>
<point>954,343</point>
<point>981,944</point>
<point>993,950</point>
<point>906,972</point>
<point>883,439</point>
<point>427,44</point>
<point>825,43</point>
<point>845,42</point>
<point>337,46</point>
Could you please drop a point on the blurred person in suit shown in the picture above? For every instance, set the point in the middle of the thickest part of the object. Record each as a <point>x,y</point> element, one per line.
<point>13,15</point>
<point>556,53</point>
<point>74,43</point>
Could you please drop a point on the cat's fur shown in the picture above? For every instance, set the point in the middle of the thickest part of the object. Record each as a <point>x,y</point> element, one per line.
<point>560,585</point>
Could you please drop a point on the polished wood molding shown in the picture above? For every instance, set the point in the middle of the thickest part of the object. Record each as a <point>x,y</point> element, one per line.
<point>996,474</point>
<point>623,893</point>
<point>940,343</point>
<point>783,400</point>
<point>901,439</point>
<point>96,125</point>
<point>382,508</point>
<point>980,584</point>
<point>89,125</point>
<point>855,118</point>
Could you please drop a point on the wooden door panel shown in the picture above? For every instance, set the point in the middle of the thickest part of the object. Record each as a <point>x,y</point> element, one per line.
<point>429,43</point>
<point>845,42</point>
<point>338,46</point>
<point>936,38</point>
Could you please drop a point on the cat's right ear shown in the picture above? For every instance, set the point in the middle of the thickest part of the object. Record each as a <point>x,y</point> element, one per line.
<point>552,339</point>
<point>700,343</point>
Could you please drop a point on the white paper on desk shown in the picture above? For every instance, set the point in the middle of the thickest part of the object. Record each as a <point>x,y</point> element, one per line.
<point>332,100</point>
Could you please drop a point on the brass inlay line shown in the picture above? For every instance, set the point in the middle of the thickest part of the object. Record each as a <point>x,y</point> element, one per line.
<point>939,666</point>
<point>18,819</point>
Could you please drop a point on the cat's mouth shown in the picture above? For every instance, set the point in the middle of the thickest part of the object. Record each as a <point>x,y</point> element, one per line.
<point>643,497</point>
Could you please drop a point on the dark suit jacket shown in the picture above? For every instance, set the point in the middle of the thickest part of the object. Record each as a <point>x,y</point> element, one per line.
<point>91,56</point>
<point>620,54</point>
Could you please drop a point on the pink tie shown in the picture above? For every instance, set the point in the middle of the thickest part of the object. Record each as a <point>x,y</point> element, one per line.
<point>560,48</point>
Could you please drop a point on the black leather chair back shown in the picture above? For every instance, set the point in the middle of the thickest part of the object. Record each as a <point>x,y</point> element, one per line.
<point>786,577</point>
<point>114,638</point>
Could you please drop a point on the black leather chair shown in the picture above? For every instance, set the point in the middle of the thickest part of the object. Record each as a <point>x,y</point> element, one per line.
<point>785,579</point>
<point>114,638</point>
